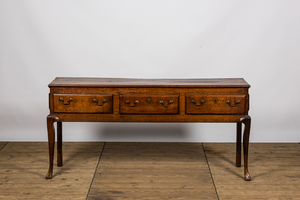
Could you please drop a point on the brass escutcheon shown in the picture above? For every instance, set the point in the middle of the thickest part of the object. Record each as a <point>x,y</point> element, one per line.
<point>149,100</point>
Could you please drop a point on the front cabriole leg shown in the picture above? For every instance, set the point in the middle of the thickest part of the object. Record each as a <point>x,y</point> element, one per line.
<point>59,144</point>
<point>238,144</point>
<point>246,120</point>
<point>51,141</point>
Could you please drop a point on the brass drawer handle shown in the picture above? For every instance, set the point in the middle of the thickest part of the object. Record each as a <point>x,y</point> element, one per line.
<point>103,102</point>
<point>170,102</point>
<point>135,103</point>
<point>237,102</point>
<point>61,99</point>
<point>201,102</point>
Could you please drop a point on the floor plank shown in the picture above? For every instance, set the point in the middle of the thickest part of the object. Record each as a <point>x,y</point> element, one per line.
<point>23,167</point>
<point>152,171</point>
<point>274,169</point>
<point>2,145</point>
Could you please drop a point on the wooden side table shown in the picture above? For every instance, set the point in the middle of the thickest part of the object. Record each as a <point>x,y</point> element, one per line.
<point>148,100</point>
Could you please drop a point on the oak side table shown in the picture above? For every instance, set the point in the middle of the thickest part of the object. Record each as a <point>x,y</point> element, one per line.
<point>223,100</point>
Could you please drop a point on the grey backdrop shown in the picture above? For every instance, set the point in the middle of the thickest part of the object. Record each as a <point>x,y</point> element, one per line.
<point>256,40</point>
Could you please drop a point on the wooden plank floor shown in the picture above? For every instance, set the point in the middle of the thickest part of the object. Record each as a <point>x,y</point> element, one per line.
<point>274,168</point>
<point>23,166</point>
<point>152,171</point>
<point>113,171</point>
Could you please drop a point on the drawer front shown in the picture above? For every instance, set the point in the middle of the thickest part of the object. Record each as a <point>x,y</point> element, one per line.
<point>215,104</point>
<point>83,103</point>
<point>149,104</point>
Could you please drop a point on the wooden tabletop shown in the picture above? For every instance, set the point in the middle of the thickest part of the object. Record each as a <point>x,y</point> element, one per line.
<point>133,82</point>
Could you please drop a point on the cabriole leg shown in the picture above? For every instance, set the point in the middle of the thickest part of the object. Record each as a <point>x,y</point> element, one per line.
<point>238,144</point>
<point>59,144</point>
<point>246,119</point>
<point>51,141</point>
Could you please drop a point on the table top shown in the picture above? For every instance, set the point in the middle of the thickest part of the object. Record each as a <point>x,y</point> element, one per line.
<point>159,83</point>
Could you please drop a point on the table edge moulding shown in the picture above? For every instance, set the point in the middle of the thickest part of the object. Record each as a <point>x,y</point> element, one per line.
<point>224,100</point>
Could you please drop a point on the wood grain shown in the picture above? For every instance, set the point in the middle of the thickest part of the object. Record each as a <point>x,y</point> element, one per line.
<point>118,115</point>
<point>152,171</point>
<point>152,107</point>
<point>2,144</point>
<point>274,168</point>
<point>209,106</point>
<point>83,103</point>
<point>133,170</point>
<point>131,82</point>
<point>22,170</point>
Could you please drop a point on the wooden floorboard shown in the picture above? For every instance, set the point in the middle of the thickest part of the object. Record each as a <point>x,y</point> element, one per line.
<point>151,171</point>
<point>2,145</point>
<point>274,168</point>
<point>23,167</point>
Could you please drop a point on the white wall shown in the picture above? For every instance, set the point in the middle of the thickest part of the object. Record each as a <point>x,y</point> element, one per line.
<point>256,40</point>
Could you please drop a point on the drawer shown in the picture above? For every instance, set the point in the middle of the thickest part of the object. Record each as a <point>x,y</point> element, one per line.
<point>215,104</point>
<point>149,104</point>
<point>83,103</point>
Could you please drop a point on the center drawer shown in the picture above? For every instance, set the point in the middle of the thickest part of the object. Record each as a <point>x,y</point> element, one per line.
<point>149,104</point>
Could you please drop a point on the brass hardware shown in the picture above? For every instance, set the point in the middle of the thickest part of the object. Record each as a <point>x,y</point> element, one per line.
<point>96,101</point>
<point>194,102</point>
<point>136,102</point>
<point>215,100</point>
<point>61,99</point>
<point>149,100</point>
<point>170,102</point>
<point>237,102</point>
